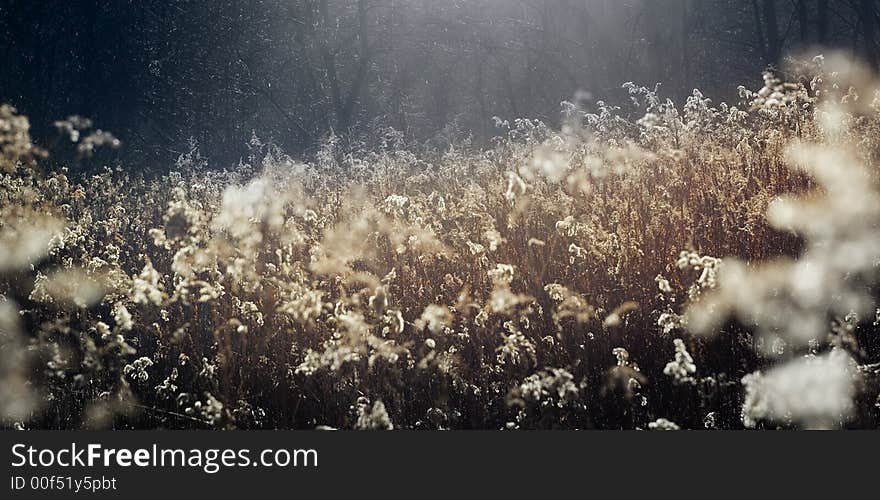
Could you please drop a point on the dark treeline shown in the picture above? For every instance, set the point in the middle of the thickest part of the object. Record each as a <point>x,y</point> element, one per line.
<point>160,73</point>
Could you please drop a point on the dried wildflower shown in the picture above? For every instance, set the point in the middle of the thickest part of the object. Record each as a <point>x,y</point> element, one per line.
<point>569,227</point>
<point>707,266</point>
<point>516,187</point>
<point>27,238</point>
<point>494,239</point>
<point>663,284</point>
<point>122,317</point>
<point>72,126</point>
<point>95,140</point>
<point>661,424</point>
<point>502,274</point>
<point>555,385</point>
<point>379,301</point>
<point>535,242</point>
<point>283,268</point>
<point>167,389</point>
<point>372,417</point>
<point>557,292</point>
<point>516,349</point>
<point>505,302</point>
<point>18,399</point>
<point>394,204</point>
<point>615,318</point>
<point>435,318</point>
<point>625,378</point>
<point>16,147</point>
<point>476,248</point>
<point>621,355</point>
<point>210,410</point>
<point>709,421</point>
<point>137,369</point>
<point>64,286</point>
<point>816,392</point>
<point>682,367</point>
<point>670,321</point>
<point>306,305</point>
<point>570,305</point>
<point>145,288</point>
<point>576,253</point>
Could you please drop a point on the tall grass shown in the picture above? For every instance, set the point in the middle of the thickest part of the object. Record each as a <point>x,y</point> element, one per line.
<point>619,273</point>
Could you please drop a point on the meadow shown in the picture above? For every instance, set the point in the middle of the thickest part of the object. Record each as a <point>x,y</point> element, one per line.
<point>654,266</point>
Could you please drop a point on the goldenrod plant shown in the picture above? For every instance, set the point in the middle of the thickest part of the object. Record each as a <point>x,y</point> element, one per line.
<point>695,266</point>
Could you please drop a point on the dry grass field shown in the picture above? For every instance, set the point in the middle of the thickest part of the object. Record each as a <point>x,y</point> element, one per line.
<point>699,266</point>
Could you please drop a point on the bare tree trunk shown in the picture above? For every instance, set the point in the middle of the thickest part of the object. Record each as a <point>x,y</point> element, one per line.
<point>867,13</point>
<point>354,93</point>
<point>803,21</point>
<point>771,29</point>
<point>511,94</point>
<point>328,57</point>
<point>822,20</point>
<point>685,42</point>
<point>759,31</point>
<point>344,104</point>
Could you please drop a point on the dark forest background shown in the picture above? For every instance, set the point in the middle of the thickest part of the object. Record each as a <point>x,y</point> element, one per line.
<point>160,74</point>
